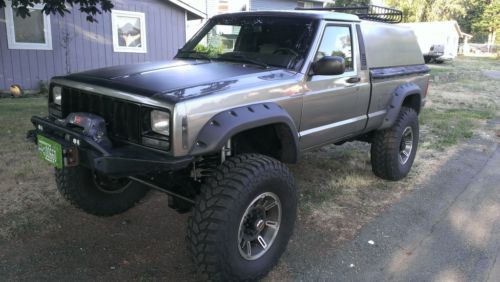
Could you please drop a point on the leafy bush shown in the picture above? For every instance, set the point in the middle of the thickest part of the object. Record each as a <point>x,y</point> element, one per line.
<point>211,51</point>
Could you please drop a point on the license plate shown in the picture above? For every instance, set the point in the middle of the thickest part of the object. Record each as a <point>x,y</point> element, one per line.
<point>50,151</point>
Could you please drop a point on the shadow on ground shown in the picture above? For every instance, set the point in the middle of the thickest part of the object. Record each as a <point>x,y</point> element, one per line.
<point>447,229</point>
<point>147,243</point>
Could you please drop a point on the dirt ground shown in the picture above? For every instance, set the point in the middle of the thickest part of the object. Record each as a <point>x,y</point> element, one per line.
<point>43,238</point>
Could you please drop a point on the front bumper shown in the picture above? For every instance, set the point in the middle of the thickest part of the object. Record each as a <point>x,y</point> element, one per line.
<point>126,160</point>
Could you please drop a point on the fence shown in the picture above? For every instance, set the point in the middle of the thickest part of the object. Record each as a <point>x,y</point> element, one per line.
<point>478,49</point>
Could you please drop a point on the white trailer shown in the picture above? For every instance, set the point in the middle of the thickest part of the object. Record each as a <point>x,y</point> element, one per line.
<point>433,35</point>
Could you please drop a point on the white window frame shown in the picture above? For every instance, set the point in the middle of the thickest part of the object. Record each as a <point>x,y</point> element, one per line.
<point>121,49</point>
<point>11,35</point>
<point>306,4</point>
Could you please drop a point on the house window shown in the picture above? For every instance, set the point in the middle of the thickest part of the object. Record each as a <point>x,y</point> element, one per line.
<point>32,32</point>
<point>223,6</point>
<point>129,31</point>
<point>226,6</point>
<point>304,4</point>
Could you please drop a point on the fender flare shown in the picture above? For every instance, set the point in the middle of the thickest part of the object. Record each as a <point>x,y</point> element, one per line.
<point>221,127</point>
<point>396,102</point>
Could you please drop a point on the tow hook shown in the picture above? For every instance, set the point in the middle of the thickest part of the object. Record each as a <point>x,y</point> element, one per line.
<point>71,156</point>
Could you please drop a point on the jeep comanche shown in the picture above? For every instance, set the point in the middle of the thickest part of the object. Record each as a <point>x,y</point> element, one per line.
<point>213,127</point>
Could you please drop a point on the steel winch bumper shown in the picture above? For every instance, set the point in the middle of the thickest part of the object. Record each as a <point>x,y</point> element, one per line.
<point>98,154</point>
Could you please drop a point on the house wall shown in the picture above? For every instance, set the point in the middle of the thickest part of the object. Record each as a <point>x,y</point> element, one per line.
<point>315,4</point>
<point>451,47</point>
<point>257,5</point>
<point>90,45</point>
<point>212,7</point>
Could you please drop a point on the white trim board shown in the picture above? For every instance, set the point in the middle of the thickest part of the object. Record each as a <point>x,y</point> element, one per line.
<point>189,8</point>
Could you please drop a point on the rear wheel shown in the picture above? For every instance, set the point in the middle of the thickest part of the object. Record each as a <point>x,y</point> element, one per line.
<point>393,150</point>
<point>98,194</point>
<point>243,218</point>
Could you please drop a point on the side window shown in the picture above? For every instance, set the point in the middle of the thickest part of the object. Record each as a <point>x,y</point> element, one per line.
<point>337,41</point>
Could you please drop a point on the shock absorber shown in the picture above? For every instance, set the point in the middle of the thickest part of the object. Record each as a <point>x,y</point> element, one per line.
<point>206,165</point>
<point>225,151</point>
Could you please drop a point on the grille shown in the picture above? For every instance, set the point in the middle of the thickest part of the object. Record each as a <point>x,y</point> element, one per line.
<point>123,118</point>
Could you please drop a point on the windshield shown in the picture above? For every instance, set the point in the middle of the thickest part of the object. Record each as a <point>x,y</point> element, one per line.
<point>264,41</point>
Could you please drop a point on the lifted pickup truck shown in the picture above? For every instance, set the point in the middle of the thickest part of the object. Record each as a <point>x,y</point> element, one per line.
<point>213,127</point>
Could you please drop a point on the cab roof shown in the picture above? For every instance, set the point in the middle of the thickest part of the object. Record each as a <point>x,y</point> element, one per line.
<point>305,14</point>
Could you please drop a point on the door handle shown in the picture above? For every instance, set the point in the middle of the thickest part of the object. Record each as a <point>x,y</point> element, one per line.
<point>353,79</point>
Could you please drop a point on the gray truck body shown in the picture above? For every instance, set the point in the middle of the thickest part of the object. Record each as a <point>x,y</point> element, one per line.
<point>321,109</point>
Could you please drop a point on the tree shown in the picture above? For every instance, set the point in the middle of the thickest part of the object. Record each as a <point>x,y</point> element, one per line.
<point>489,21</point>
<point>474,10</point>
<point>479,17</point>
<point>429,10</point>
<point>412,9</point>
<point>481,20</point>
<point>89,7</point>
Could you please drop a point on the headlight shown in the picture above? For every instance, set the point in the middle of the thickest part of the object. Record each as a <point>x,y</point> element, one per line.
<point>160,122</point>
<point>57,95</point>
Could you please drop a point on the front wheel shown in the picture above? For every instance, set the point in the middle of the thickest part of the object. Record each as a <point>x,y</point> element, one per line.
<point>98,194</point>
<point>393,150</point>
<point>243,219</point>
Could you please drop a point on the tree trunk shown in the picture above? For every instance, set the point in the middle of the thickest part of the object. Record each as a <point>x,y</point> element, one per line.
<point>494,38</point>
<point>491,38</point>
<point>488,45</point>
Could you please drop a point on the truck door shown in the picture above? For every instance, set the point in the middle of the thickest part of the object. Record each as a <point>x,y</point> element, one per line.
<point>335,106</point>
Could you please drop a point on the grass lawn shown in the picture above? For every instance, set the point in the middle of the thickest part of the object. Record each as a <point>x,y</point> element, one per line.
<point>461,98</point>
<point>14,116</point>
<point>27,186</point>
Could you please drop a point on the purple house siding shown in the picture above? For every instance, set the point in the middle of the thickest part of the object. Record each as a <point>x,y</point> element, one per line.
<point>90,44</point>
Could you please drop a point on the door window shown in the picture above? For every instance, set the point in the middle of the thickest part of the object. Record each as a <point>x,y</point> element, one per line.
<point>337,41</point>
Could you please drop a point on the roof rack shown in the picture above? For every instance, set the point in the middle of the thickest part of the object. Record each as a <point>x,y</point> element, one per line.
<point>366,12</point>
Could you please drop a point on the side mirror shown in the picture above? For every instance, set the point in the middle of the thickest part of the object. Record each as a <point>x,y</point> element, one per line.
<point>329,65</point>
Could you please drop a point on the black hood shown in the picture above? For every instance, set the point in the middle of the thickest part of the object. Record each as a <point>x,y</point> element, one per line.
<point>148,79</point>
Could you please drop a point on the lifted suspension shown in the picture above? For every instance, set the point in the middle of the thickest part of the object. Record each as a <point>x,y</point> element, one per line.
<point>166,191</point>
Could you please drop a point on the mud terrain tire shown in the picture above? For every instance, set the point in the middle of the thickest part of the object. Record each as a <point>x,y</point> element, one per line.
<point>77,185</point>
<point>222,209</point>
<point>389,146</point>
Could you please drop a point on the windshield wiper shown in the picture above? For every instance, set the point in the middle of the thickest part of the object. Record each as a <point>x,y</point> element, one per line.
<point>188,54</point>
<point>243,58</point>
